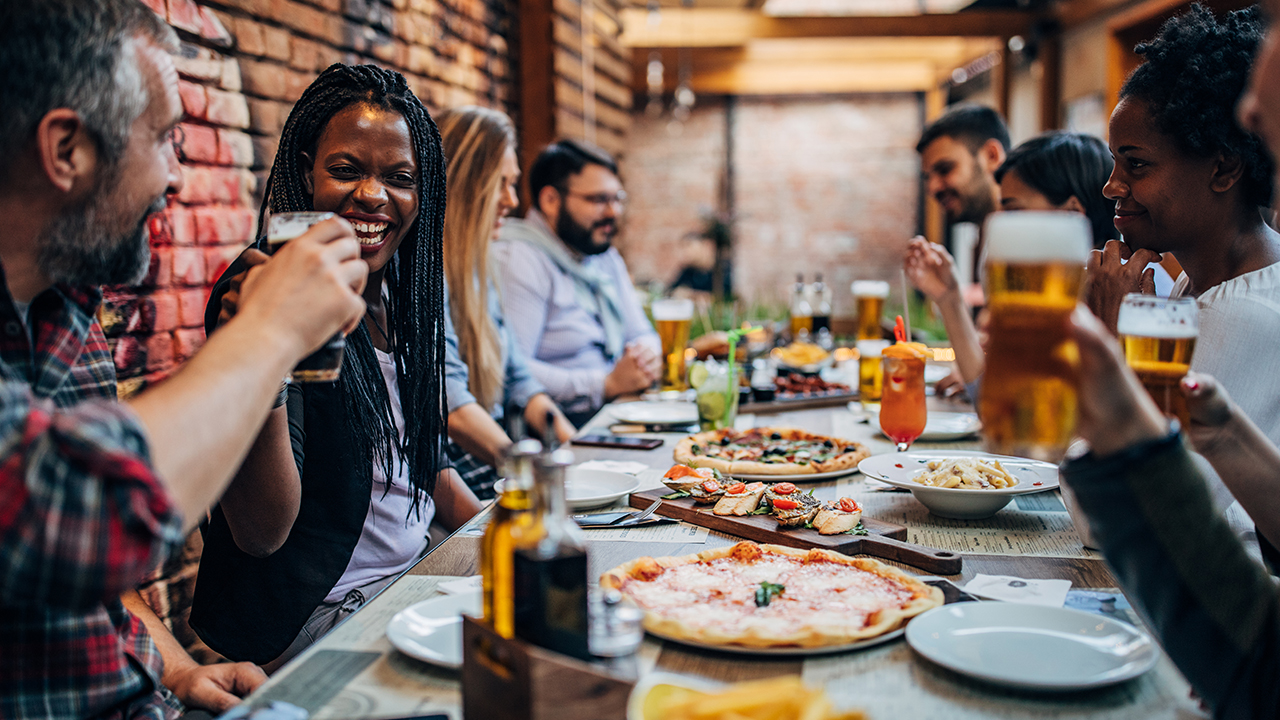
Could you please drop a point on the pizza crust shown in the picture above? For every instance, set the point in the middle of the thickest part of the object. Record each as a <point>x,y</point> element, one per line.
<point>683,453</point>
<point>750,631</point>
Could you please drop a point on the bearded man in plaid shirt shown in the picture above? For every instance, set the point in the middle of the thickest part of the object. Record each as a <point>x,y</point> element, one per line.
<point>94,493</point>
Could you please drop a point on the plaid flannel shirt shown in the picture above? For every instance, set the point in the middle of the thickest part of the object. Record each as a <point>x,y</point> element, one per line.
<point>82,519</point>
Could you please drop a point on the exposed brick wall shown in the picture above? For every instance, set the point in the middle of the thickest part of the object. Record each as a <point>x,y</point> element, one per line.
<point>825,185</point>
<point>243,64</point>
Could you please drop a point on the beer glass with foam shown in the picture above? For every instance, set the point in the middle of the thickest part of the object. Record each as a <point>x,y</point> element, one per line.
<point>1159,337</point>
<point>325,364</point>
<point>1034,272</point>
<point>673,318</point>
<point>870,372</point>
<point>869,296</point>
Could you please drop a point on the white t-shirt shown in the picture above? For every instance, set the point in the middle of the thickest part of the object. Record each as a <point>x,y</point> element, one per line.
<point>392,539</point>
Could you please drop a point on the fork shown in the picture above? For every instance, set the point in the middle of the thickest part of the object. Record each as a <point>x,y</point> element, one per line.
<point>646,514</point>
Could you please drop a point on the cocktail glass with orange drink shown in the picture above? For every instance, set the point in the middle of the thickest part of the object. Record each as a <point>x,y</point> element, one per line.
<point>902,408</point>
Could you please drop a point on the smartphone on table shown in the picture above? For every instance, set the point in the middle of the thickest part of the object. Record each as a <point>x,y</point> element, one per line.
<point>626,442</point>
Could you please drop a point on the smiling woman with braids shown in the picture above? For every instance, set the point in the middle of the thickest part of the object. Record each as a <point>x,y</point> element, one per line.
<point>335,497</point>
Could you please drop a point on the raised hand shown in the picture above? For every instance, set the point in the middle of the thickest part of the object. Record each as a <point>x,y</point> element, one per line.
<point>1113,272</point>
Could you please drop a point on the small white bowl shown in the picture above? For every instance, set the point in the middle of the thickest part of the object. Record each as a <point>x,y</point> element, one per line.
<point>898,469</point>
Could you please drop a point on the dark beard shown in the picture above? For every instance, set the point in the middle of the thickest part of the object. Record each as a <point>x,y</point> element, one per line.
<point>82,247</point>
<point>579,238</point>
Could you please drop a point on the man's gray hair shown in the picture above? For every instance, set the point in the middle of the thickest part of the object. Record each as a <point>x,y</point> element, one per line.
<point>76,54</point>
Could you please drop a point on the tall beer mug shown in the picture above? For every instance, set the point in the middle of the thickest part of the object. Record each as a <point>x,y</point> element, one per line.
<point>1159,337</point>
<point>869,296</point>
<point>673,318</point>
<point>1034,272</point>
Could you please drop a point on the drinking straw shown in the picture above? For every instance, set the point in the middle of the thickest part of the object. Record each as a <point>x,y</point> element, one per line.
<point>899,330</point>
<point>906,308</point>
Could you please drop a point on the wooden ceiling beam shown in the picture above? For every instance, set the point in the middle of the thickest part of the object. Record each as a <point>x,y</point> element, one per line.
<point>678,27</point>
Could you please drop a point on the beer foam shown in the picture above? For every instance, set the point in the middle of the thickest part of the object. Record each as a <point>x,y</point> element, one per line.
<point>870,288</point>
<point>1033,236</point>
<point>289,225</point>
<point>672,310</point>
<point>1153,317</point>
<point>872,348</point>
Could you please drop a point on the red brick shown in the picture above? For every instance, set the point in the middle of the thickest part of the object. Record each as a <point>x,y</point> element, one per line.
<point>305,54</point>
<point>296,83</point>
<point>221,225</point>
<point>186,342</point>
<point>191,308</point>
<point>160,272</point>
<point>212,29</point>
<point>227,108</point>
<point>235,148</point>
<point>197,186</point>
<point>249,37</point>
<point>188,266</point>
<point>158,230</point>
<point>263,79</point>
<point>182,227</point>
<point>199,143</point>
<point>155,5</point>
<point>264,152</point>
<point>217,259</point>
<point>202,64</point>
<point>130,355</point>
<point>159,352</point>
<point>184,14</point>
<point>225,185</point>
<point>194,101</point>
<point>277,43</point>
<point>267,116</point>
<point>161,313</point>
<point>230,79</point>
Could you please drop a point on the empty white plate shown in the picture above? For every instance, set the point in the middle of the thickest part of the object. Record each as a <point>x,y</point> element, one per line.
<point>588,488</point>
<point>656,413</point>
<point>1032,647</point>
<point>431,630</point>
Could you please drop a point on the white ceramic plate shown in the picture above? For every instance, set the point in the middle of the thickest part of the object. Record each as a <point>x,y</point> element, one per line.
<point>1031,646</point>
<point>941,425</point>
<point>898,469</point>
<point>789,651</point>
<point>587,488</point>
<point>431,630</point>
<point>656,413</point>
<point>794,478</point>
<point>934,373</point>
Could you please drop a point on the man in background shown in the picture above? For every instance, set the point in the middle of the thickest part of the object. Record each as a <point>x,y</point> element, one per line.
<point>565,288</point>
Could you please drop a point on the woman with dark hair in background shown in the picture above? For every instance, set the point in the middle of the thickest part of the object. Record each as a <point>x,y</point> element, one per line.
<point>480,145</point>
<point>1055,171</point>
<point>335,497</point>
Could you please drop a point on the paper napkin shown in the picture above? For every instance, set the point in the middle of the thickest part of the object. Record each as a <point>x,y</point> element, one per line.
<point>1050,593</point>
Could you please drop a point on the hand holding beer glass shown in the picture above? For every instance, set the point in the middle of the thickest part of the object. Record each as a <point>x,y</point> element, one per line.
<point>673,318</point>
<point>1034,272</point>
<point>325,364</point>
<point>1159,338</point>
<point>903,412</point>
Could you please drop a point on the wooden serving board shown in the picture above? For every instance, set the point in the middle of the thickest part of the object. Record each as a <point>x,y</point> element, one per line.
<point>883,539</point>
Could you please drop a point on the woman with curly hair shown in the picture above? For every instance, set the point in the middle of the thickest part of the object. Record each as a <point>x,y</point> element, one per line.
<point>336,495</point>
<point>481,147</point>
<point>1188,180</point>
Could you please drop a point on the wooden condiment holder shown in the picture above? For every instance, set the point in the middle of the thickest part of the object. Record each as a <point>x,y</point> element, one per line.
<point>509,679</point>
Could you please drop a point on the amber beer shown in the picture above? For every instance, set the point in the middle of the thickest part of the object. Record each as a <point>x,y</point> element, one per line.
<point>1159,337</point>
<point>870,372</point>
<point>1034,271</point>
<point>673,318</point>
<point>869,295</point>
<point>325,364</point>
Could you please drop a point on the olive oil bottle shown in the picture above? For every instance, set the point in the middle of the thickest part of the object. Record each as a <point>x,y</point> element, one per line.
<point>551,569</point>
<point>512,522</point>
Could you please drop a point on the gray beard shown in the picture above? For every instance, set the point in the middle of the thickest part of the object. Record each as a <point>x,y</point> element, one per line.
<point>83,247</point>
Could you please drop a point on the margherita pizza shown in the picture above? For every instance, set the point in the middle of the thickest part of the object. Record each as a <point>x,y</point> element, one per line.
<point>769,451</point>
<point>771,596</point>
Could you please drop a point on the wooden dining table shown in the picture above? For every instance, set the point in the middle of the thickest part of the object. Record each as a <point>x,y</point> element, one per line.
<point>355,673</point>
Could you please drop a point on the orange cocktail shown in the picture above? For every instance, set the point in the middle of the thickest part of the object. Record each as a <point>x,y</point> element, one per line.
<point>902,409</point>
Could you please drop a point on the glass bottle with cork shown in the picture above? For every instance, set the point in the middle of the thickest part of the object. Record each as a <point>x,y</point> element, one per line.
<point>511,525</point>
<point>550,568</point>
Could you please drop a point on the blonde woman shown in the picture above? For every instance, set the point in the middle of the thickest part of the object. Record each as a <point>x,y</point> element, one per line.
<point>482,174</point>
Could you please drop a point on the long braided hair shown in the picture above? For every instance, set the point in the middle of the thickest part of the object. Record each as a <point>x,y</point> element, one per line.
<point>414,277</point>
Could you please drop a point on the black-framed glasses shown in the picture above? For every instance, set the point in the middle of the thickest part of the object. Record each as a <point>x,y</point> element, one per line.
<point>618,199</point>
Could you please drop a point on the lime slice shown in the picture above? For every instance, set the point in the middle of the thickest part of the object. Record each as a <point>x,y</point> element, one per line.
<point>698,374</point>
<point>711,406</point>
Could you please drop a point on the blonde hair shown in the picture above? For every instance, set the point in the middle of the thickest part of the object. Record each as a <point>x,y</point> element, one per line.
<point>475,140</point>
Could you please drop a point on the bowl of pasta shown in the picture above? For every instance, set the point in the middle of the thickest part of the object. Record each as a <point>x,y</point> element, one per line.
<point>960,484</point>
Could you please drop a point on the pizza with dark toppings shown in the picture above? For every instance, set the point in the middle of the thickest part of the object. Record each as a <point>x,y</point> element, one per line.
<point>769,451</point>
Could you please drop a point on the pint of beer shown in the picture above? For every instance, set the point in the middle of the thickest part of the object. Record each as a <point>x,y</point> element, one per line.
<point>1159,337</point>
<point>870,372</point>
<point>673,318</point>
<point>323,365</point>
<point>1034,271</point>
<point>869,296</point>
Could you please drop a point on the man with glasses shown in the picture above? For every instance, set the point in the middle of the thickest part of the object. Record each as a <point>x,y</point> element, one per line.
<point>565,289</point>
